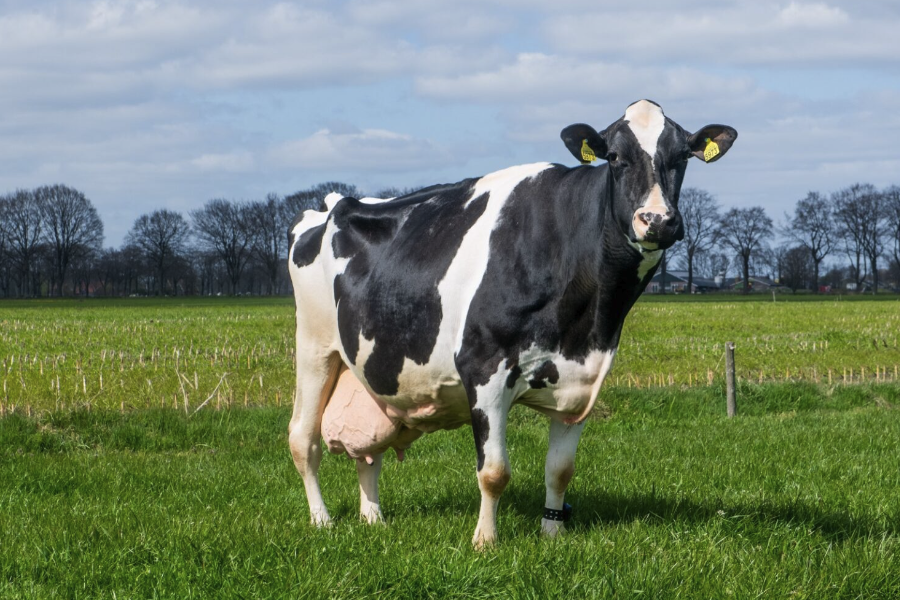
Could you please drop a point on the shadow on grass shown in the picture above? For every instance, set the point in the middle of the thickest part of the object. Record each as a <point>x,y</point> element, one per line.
<point>601,509</point>
<point>593,510</point>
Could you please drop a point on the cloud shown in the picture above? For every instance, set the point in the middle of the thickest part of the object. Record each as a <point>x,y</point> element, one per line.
<point>537,78</point>
<point>815,16</point>
<point>231,161</point>
<point>361,150</point>
<point>540,93</point>
<point>744,32</point>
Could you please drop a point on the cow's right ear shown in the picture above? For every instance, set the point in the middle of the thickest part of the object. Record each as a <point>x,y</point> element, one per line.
<point>584,143</point>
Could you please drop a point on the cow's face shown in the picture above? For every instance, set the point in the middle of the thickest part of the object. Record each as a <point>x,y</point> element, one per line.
<point>647,154</point>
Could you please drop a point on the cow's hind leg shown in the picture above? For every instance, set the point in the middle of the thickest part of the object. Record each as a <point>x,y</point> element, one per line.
<point>369,509</point>
<point>490,409</point>
<point>558,471</point>
<point>316,379</point>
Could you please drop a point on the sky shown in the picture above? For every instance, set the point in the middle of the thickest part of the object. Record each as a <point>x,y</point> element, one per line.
<point>146,104</point>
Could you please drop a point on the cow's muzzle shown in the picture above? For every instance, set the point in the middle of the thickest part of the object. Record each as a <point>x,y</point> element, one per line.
<point>658,229</point>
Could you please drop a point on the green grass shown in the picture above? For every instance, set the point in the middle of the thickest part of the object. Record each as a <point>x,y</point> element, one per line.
<point>796,498</point>
<point>143,353</point>
<point>146,352</point>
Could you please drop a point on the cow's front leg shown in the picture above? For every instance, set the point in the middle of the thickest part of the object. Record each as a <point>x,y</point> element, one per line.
<point>558,471</point>
<point>489,415</point>
<point>369,509</point>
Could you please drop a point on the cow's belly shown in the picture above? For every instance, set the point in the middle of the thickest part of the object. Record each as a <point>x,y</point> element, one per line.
<point>431,397</point>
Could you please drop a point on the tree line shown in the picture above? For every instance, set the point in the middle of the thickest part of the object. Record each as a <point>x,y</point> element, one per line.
<point>51,243</point>
<point>857,228</point>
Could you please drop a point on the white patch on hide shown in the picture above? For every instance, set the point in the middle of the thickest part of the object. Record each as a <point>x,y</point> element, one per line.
<point>461,281</point>
<point>650,255</point>
<point>574,393</point>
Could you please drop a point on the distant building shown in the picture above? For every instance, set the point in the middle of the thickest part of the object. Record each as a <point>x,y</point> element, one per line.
<point>757,284</point>
<point>676,282</point>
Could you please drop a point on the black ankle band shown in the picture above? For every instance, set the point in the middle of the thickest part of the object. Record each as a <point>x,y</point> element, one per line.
<point>558,515</point>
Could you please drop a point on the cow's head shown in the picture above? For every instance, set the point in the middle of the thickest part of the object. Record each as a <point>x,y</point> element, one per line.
<point>647,154</point>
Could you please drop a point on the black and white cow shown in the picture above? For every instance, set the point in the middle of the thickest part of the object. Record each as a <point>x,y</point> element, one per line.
<point>449,305</point>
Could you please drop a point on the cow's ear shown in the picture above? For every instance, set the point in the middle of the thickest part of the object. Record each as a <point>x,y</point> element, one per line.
<point>584,143</point>
<point>712,142</point>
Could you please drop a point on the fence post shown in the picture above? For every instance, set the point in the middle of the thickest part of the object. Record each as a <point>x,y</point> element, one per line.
<point>730,378</point>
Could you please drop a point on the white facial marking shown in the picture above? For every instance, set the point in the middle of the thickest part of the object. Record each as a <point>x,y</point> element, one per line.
<point>646,120</point>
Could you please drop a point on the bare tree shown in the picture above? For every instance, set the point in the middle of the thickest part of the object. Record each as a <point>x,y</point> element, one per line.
<point>23,226</point>
<point>772,259</point>
<point>861,215</point>
<point>892,204</point>
<point>663,268</point>
<point>836,277</point>
<point>71,227</point>
<point>711,264</point>
<point>162,237</point>
<point>314,197</point>
<point>5,259</point>
<point>394,192</point>
<point>796,267</point>
<point>850,229</point>
<point>745,230</point>
<point>700,215</point>
<point>223,227</point>
<point>269,220</point>
<point>812,226</point>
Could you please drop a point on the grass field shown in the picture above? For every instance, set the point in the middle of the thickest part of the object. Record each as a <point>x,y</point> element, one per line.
<point>142,353</point>
<point>107,491</point>
<point>797,498</point>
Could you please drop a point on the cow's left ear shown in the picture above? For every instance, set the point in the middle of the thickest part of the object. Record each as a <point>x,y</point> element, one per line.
<point>584,143</point>
<point>712,142</point>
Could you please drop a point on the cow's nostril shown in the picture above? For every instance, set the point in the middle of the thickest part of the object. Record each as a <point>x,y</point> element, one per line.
<point>644,218</point>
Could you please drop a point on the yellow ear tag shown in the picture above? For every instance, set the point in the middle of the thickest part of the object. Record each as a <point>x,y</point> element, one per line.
<point>711,151</point>
<point>587,155</point>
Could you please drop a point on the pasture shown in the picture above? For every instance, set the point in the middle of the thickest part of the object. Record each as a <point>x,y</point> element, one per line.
<point>144,353</point>
<point>798,500</point>
<point>106,490</point>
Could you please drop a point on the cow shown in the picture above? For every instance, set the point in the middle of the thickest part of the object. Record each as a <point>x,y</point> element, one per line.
<point>447,306</point>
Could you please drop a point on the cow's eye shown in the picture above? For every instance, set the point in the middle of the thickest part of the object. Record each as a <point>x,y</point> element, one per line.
<point>612,157</point>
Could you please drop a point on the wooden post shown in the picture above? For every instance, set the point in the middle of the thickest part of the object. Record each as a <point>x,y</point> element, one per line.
<point>730,378</point>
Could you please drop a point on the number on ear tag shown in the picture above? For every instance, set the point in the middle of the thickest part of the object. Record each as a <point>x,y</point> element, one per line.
<point>587,155</point>
<point>711,151</point>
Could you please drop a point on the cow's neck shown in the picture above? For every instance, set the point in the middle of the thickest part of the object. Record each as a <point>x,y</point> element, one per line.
<point>611,272</point>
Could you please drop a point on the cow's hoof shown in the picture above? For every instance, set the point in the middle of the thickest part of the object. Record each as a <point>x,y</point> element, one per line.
<point>372,516</point>
<point>482,543</point>
<point>320,519</point>
<point>552,529</point>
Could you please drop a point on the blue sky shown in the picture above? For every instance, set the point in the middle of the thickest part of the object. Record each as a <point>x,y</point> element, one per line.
<point>145,104</point>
